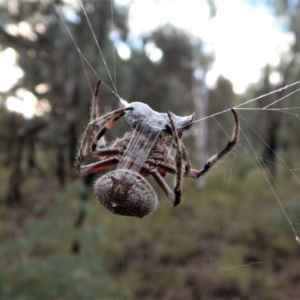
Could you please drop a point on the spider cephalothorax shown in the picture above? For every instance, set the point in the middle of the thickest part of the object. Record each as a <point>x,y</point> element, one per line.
<point>145,150</point>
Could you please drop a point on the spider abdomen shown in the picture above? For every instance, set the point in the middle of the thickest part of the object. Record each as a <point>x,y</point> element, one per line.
<point>126,193</point>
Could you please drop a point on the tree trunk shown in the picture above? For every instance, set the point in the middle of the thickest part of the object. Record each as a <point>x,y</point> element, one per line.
<point>200,98</point>
<point>272,141</point>
<point>13,195</point>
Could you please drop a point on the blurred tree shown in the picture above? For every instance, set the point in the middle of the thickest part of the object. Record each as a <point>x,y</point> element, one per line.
<point>38,31</point>
<point>279,135</point>
<point>52,68</point>
<point>25,133</point>
<point>220,98</point>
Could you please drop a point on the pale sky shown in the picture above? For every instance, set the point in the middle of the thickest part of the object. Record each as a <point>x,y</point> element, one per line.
<point>243,39</point>
<point>12,72</point>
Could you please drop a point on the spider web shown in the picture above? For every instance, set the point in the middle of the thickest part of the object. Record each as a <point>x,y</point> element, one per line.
<point>246,146</point>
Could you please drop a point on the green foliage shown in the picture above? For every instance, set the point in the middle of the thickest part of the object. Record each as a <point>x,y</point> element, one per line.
<point>216,243</point>
<point>57,276</point>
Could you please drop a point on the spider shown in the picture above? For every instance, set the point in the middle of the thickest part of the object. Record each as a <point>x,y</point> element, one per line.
<point>141,152</point>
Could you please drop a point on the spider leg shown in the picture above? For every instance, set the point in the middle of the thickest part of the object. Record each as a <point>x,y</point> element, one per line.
<point>215,158</point>
<point>108,152</point>
<point>94,132</point>
<point>178,161</point>
<point>95,103</point>
<point>83,150</point>
<point>98,166</point>
<point>162,167</point>
<point>185,157</point>
<point>161,182</point>
<point>112,117</point>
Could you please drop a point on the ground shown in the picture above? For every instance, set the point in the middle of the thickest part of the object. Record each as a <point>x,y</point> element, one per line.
<point>229,240</point>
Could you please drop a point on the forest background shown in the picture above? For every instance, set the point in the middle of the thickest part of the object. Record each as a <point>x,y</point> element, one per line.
<point>233,237</point>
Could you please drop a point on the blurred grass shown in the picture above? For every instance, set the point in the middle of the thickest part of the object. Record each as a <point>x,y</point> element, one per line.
<point>228,240</point>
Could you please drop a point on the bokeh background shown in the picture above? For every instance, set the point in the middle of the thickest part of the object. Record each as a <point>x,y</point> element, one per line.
<point>235,234</point>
